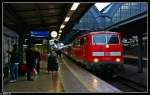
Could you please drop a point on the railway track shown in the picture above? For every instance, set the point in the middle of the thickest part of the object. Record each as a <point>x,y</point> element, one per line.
<point>127,85</point>
<point>121,83</point>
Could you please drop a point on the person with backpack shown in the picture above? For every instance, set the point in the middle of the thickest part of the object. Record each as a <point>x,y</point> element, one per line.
<point>52,62</point>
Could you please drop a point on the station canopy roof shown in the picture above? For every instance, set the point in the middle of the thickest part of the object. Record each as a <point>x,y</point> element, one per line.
<point>24,17</point>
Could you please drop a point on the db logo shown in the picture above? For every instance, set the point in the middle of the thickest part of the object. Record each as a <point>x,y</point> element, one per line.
<point>106,53</point>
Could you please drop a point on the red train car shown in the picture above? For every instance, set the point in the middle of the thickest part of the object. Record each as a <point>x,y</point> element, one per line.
<point>99,51</point>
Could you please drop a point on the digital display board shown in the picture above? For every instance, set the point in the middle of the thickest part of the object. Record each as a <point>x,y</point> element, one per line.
<point>40,34</point>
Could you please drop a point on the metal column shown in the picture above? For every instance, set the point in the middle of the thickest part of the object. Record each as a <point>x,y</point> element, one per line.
<point>21,48</point>
<point>140,65</point>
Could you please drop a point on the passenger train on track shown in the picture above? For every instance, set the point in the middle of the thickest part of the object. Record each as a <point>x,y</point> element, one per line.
<point>98,51</point>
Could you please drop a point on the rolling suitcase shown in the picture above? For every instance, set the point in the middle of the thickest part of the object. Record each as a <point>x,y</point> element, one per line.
<point>23,68</point>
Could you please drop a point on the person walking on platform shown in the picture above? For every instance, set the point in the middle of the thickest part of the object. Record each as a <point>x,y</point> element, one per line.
<point>52,62</point>
<point>14,61</point>
<point>37,64</point>
<point>30,59</point>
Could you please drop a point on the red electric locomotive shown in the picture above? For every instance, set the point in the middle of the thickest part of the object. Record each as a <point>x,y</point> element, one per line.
<point>99,51</point>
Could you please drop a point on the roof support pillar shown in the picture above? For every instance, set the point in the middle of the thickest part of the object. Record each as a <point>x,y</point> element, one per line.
<point>140,64</point>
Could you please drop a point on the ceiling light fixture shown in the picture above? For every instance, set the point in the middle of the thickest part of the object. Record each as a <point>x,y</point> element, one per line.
<point>74,6</point>
<point>62,26</point>
<point>67,19</point>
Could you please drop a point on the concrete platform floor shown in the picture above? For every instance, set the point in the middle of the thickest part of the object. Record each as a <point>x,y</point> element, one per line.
<point>43,82</point>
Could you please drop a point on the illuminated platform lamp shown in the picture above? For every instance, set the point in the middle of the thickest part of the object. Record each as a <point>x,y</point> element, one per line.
<point>53,34</point>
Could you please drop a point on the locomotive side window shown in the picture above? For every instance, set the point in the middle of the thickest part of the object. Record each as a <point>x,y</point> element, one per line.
<point>85,39</point>
<point>77,43</point>
<point>74,44</point>
<point>82,42</point>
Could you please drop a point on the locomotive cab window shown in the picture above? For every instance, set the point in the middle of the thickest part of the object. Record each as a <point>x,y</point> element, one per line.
<point>105,39</point>
<point>112,39</point>
<point>98,39</point>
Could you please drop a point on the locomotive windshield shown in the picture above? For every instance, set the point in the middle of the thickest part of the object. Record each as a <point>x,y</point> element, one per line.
<point>105,39</point>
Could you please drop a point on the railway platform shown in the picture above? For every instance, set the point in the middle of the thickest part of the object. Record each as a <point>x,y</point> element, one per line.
<point>68,78</point>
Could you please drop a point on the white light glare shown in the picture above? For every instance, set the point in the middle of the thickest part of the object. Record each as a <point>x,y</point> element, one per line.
<point>60,31</point>
<point>74,6</point>
<point>118,59</point>
<point>38,44</point>
<point>100,6</point>
<point>95,60</point>
<point>25,45</point>
<point>107,46</point>
<point>67,19</point>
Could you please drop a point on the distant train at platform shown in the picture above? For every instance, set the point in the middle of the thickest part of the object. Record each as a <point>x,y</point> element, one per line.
<point>100,51</point>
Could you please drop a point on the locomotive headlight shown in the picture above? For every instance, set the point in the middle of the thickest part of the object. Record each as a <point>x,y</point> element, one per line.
<point>107,46</point>
<point>118,59</point>
<point>95,60</point>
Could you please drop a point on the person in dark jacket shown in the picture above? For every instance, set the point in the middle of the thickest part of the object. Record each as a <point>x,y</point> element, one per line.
<point>14,61</point>
<point>30,59</point>
<point>52,62</point>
